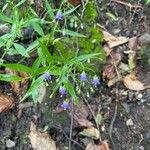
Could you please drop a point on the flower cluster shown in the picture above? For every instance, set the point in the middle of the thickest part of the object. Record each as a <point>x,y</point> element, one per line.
<point>63,90</point>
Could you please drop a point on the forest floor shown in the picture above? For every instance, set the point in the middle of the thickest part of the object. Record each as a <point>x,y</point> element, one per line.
<point>125,112</point>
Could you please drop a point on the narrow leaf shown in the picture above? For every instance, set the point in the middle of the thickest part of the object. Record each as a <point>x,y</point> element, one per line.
<point>9,78</point>
<point>19,67</point>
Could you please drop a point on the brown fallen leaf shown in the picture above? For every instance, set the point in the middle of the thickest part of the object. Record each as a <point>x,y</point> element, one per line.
<point>83,122</point>
<point>133,43</point>
<point>108,72</point>
<point>39,140</point>
<point>75,2</point>
<point>19,87</point>
<point>107,50</point>
<point>132,83</point>
<point>91,132</point>
<point>103,146</point>
<point>6,103</point>
<point>113,41</point>
<point>81,113</point>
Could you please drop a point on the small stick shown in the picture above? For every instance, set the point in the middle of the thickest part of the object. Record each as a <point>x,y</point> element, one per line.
<point>71,125</point>
<point>111,126</point>
<point>69,138</point>
<point>127,4</point>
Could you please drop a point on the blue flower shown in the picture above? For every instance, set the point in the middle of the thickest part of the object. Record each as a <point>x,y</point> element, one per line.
<point>83,77</point>
<point>59,16</point>
<point>47,76</point>
<point>95,81</point>
<point>62,91</point>
<point>65,105</point>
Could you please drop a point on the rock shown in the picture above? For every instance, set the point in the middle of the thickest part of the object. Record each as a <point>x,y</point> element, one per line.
<point>144,39</point>
<point>129,122</point>
<point>10,143</point>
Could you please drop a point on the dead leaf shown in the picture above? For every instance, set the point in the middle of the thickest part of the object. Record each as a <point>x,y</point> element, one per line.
<point>81,113</point>
<point>39,140</point>
<point>19,87</point>
<point>83,122</point>
<point>113,41</point>
<point>132,83</point>
<point>91,132</point>
<point>75,2</point>
<point>107,50</point>
<point>109,72</point>
<point>103,146</point>
<point>6,103</point>
<point>133,43</point>
<point>41,93</point>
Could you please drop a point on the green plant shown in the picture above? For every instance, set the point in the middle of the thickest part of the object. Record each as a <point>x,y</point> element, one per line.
<point>66,45</point>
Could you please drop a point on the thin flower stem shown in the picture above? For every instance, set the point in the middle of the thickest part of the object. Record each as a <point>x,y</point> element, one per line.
<point>85,100</point>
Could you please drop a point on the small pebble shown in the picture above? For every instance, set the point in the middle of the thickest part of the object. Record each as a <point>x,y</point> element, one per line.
<point>129,122</point>
<point>139,96</point>
<point>10,143</point>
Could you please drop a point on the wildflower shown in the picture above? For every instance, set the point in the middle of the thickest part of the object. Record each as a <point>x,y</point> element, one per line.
<point>65,105</point>
<point>47,76</point>
<point>59,16</point>
<point>83,77</point>
<point>95,81</point>
<point>62,91</point>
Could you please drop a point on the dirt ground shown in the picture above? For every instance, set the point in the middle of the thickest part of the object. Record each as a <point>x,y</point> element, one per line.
<point>126,113</point>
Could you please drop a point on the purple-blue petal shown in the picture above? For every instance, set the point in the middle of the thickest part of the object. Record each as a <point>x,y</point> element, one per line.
<point>47,76</point>
<point>62,90</point>
<point>65,105</point>
<point>95,81</point>
<point>83,77</point>
<point>59,16</point>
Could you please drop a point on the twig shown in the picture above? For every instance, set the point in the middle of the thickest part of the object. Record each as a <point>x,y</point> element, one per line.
<point>111,126</point>
<point>127,4</point>
<point>71,125</point>
<point>69,138</point>
<point>85,100</point>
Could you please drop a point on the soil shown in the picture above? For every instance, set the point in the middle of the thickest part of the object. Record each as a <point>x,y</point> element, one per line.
<point>125,111</point>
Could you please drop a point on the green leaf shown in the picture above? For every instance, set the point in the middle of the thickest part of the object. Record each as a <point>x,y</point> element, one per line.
<point>49,9</point>
<point>21,50</point>
<point>29,23</point>
<point>32,46</point>
<point>82,58</point>
<point>99,119</point>
<point>9,78</point>
<point>33,88</point>
<point>71,91</point>
<point>71,33</point>
<point>70,11</point>
<point>112,16</point>
<point>2,41</point>
<point>38,29</point>
<point>45,51</point>
<point>36,64</point>
<point>5,18</point>
<point>19,67</point>
<point>20,3</point>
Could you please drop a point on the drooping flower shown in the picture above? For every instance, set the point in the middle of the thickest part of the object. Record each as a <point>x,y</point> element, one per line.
<point>47,76</point>
<point>95,81</point>
<point>59,16</point>
<point>65,105</point>
<point>62,91</point>
<point>83,77</point>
